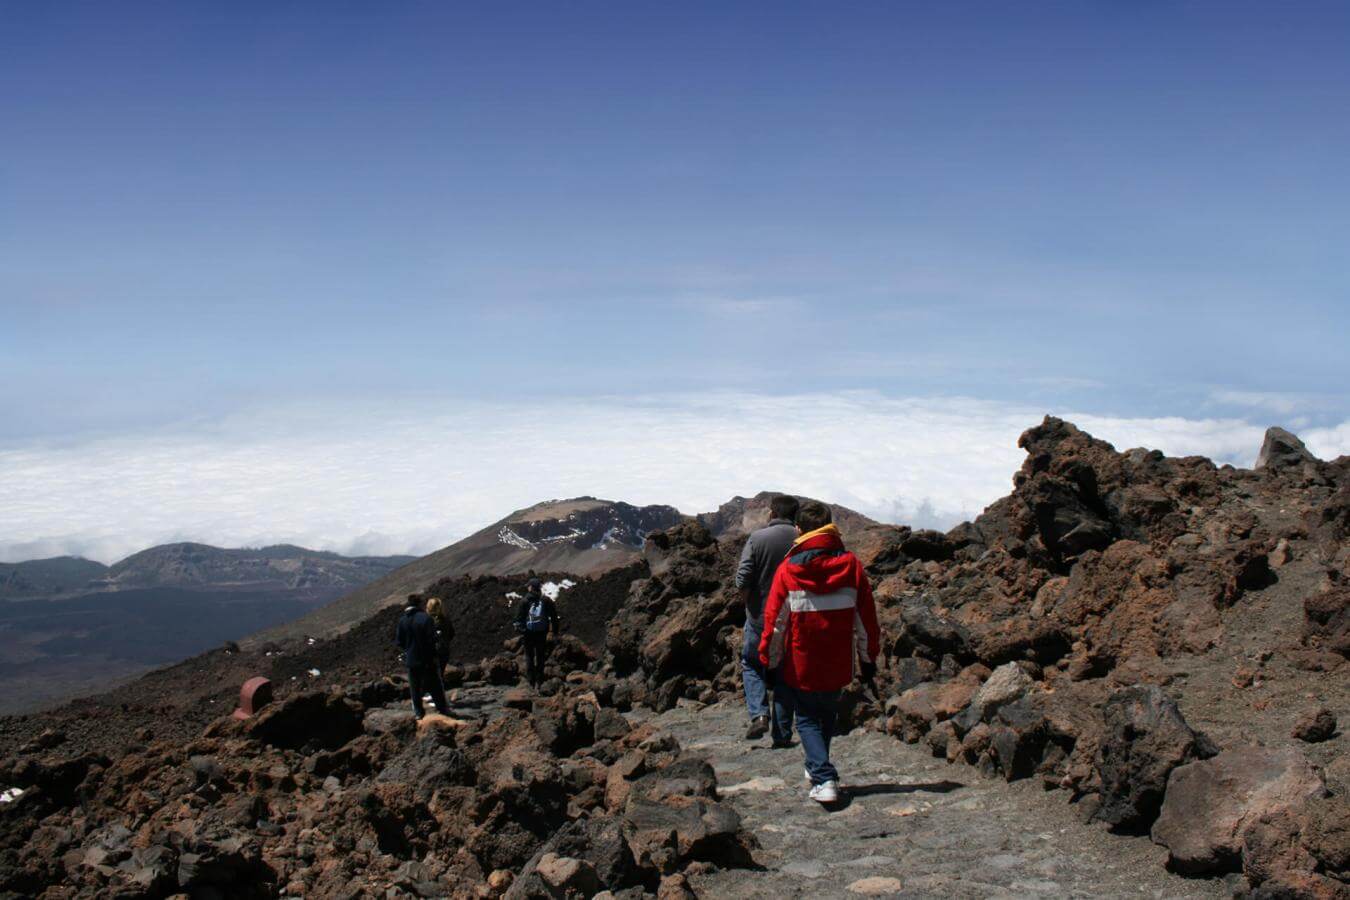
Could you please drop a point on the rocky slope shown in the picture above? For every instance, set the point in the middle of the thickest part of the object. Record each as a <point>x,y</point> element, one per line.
<point>1159,642</point>
<point>582,536</point>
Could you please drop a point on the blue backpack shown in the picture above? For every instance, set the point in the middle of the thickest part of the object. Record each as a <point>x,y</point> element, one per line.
<point>535,620</point>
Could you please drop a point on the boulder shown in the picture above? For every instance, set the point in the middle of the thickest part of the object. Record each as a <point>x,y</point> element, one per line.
<point>1327,835</point>
<point>1210,804</point>
<point>1144,738</point>
<point>567,877</point>
<point>310,721</point>
<point>927,634</point>
<point>1007,683</point>
<point>1327,620</point>
<point>1281,450</point>
<point>1315,726</point>
<point>667,835</point>
<point>427,766</point>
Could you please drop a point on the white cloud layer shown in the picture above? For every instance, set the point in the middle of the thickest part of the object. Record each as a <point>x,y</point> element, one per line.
<point>386,478</point>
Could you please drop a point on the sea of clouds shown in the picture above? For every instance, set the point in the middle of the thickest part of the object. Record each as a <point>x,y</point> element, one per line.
<point>366,478</point>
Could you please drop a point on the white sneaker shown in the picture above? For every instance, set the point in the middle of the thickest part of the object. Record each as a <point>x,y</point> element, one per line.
<point>806,773</point>
<point>828,792</point>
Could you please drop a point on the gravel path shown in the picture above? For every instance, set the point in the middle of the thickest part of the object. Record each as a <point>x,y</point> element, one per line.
<point>911,826</point>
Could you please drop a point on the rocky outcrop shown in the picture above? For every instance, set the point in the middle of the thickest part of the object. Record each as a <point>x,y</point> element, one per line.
<point>1281,450</point>
<point>372,805</point>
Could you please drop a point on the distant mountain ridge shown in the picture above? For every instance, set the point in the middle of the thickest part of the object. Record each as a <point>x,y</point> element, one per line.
<point>44,577</point>
<point>187,564</point>
<point>70,625</point>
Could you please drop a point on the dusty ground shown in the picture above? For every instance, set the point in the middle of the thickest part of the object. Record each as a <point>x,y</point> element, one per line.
<point>913,826</point>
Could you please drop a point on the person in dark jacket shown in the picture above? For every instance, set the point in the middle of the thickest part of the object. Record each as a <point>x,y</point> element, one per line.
<point>416,637</point>
<point>764,551</point>
<point>536,616</point>
<point>445,633</point>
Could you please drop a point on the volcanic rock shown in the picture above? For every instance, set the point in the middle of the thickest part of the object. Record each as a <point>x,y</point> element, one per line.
<point>1315,726</point>
<point>1144,739</point>
<point>1280,450</point>
<point>1210,804</point>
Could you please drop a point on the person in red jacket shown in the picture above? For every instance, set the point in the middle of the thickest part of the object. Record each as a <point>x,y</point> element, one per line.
<point>820,629</point>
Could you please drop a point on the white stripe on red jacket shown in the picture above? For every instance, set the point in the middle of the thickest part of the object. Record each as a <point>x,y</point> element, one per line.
<point>819,616</point>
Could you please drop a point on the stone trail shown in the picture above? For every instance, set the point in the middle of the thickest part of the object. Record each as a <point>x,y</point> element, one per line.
<point>912,826</point>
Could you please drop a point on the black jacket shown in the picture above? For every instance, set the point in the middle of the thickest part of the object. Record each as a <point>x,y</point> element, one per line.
<point>523,613</point>
<point>416,637</point>
<point>445,633</point>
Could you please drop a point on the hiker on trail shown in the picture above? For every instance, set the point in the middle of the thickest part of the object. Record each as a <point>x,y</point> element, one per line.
<point>416,637</point>
<point>536,616</point>
<point>764,551</point>
<point>445,633</point>
<point>821,628</point>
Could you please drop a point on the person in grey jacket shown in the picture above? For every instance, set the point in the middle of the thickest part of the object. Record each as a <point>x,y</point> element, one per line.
<point>764,551</point>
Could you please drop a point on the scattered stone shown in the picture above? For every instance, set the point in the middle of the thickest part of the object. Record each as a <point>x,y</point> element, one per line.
<point>567,877</point>
<point>1315,726</point>
<point>763,784</point>
<point>518,698</point>
<point>876,886</point>
<point>675,887</point>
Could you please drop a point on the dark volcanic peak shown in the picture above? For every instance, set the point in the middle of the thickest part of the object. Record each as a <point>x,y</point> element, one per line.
<point>40,577</point>
<point>282,565</point>
<point>741,515</point>
<point>586,523</point>
<point>578,536</point>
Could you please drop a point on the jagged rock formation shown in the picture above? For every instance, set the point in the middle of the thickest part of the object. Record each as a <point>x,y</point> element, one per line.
<point>1142,634</point>
<point>1116,619</point>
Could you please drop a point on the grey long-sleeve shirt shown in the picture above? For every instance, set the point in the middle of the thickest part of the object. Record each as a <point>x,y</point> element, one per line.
<point>764,550</point>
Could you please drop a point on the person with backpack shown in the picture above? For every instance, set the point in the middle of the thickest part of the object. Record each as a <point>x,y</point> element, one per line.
<point>820,630</point>
<point>764,551</point>
<point>536,616</point>
<point>445,633</point>
<point>416,637</point>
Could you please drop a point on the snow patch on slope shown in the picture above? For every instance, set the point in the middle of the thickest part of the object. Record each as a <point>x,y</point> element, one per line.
<point>552,589</point>
<point>507,536</point>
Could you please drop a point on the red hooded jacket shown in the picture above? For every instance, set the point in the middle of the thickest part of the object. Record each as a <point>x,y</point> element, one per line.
<point>819,615</point>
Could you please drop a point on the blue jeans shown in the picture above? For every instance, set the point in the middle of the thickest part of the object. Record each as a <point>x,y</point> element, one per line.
<point>756,687</point>
<point>815,712</point>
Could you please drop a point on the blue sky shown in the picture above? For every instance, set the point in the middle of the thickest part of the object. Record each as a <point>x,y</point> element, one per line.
<point>208,213</point>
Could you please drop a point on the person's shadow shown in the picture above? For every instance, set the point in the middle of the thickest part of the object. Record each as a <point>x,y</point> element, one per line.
<point>846,794</point>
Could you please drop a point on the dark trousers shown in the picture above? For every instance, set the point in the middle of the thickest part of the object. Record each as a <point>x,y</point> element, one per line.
<point>536,651</point>
<point>426,679</point>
